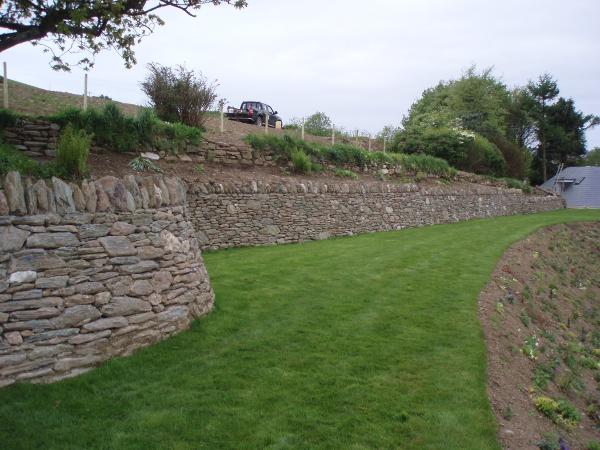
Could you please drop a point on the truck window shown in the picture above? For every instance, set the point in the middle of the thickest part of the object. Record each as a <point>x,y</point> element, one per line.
<point>270,110</point>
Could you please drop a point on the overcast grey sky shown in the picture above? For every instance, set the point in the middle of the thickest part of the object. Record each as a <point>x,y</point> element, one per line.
<point>361,62</point>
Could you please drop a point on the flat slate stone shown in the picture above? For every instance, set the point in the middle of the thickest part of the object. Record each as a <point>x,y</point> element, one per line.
<point>117,246</point>
<point>52,240</point>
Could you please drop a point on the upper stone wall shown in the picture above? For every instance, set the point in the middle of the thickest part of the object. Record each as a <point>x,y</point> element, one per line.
<point>227,215</point>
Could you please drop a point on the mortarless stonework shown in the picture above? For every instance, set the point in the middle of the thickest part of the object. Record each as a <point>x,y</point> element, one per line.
<point>92,271</point>
<point>98,269</point>
<point>257,214</point>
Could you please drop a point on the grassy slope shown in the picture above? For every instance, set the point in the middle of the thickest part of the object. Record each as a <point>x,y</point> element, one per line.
<point>32,100</point>
<point>364,342</point>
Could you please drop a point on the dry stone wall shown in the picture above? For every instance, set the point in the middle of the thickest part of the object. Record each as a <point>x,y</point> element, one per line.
<point>34,137</point>
<point>92,271</point>
<point>257,214</point>
<point>38,138</point>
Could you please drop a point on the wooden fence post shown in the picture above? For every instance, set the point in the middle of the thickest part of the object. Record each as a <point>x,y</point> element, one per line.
<point>356,139</point>
<point>332,135</point>
<point>222,128</point>
<point>266,123</point>
<point>383,144</point>
<point>369,142</point>
<point>302,130</point>
<point>85,92</point>
<point>5,86</point>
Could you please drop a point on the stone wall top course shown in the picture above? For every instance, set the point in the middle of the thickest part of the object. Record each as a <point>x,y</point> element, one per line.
<point>23,196</point>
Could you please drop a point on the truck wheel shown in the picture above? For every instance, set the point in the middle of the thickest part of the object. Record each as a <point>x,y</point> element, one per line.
<point>259,121</point>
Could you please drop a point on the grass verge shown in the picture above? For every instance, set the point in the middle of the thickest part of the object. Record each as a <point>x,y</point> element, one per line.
<point>364,342</point>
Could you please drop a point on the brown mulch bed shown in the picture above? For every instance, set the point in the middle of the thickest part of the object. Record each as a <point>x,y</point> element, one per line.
<point>547,286</point>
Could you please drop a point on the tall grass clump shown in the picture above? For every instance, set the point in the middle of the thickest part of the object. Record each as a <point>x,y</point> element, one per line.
<point>72,151</point>
<point>117,132</point>
<point>301,162</point>
<point>12,159</point>
<point>7,118</point>
<point>348,156</point>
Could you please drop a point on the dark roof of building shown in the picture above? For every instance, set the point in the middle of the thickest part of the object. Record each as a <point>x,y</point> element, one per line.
<point>579,186</point>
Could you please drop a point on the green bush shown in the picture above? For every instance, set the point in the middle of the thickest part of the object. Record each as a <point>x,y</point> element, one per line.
<point>340,155</point>
<point>179,94</point>
<point>115,131</point>
<point>443,142</point>
<point>12,159</point>
<point>560,412</point>
<point>301,162</point>
<point>484,157</point>
<point>462,149</point>
<point>72,151</point>
<point>345,173</point>
<point>7,118</point>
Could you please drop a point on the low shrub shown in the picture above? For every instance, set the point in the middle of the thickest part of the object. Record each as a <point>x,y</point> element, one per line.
<point>179,94</point>
<point>517,184</point>
<point>560,411</point>
<point>340,155</point>
<point>301,162</point>
<point>344,173</point>
<point>72,151</point>
<point>463,149</point>
<point>12,159</point>
<point>7,118</point>
<point>115,131</point>
<point>484,157</point>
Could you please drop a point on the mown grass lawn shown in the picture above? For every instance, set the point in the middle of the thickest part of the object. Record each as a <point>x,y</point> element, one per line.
<point>354,343</point>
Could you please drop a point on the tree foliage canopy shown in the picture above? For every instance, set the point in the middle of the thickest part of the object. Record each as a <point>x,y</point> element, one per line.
<point>87,27</point>
<point>318,124</point>
<point>474,119</point>
<point>592,158</point>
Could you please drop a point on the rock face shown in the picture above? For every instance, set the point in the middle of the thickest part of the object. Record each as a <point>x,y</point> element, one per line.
<point>80,284</point>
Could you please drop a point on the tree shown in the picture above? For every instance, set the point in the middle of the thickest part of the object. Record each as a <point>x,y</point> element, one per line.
<point>179,94</point>
<point>592,158</point>
<point>88,26</point>
<point>476,101</point>
<point>521,121</point>
<point>318,124</point>
<point>543,92</point>
<point>388,132</point>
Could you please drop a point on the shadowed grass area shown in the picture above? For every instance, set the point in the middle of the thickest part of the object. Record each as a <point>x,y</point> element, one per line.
<point>354,343</point>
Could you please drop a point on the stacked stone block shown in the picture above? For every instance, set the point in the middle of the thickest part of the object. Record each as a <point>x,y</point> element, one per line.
<point>34,137</point>
<point>93,270</point>
<point>227,215</point>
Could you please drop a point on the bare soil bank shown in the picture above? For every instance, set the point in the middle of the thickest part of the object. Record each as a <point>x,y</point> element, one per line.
<point>541,319</point>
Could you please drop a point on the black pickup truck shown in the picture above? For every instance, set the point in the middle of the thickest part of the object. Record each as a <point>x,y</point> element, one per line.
<point>254,112</point>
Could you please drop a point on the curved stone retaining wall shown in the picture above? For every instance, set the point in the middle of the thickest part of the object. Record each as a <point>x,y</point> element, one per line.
<point>92,271</point>
<point>257,214</point>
